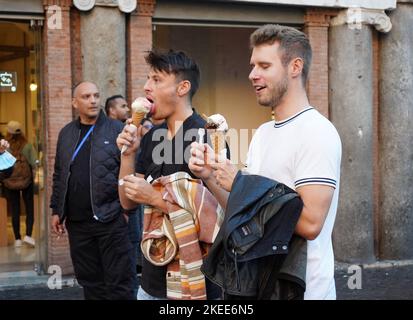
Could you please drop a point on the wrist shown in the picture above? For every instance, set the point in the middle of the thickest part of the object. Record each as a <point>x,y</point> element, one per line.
<point>129,155</point>
<point>210,180</point>
<point>156,199</point>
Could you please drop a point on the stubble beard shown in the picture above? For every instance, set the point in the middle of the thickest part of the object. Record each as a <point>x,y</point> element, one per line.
<point>276,95</point>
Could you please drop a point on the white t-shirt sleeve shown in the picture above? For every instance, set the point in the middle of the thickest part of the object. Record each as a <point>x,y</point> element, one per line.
<point>318,159</point>
<point>251,150</point>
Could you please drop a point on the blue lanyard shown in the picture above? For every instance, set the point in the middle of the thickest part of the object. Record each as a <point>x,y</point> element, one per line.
<point>82,142</point>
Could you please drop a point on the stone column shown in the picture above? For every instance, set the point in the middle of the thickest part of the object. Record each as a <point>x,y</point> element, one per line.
<point>103,45</point>
<point>396,136</point>
<point>351,107</point>
<point>139,41</point>
<point>57,108</point>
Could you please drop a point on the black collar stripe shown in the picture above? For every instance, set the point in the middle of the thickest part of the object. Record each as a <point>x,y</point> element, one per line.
<point>283,123</point>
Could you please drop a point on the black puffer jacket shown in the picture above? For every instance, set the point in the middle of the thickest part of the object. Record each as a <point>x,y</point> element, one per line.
<point>104,168</point>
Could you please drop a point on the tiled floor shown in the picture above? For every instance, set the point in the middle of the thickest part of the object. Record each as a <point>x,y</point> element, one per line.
<point>16,259</point>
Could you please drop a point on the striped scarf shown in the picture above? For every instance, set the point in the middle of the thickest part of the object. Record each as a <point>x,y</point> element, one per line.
<point>181,237</point>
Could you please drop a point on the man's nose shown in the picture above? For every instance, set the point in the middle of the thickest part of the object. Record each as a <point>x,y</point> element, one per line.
<point>253,75</point>
<point>146,87</point>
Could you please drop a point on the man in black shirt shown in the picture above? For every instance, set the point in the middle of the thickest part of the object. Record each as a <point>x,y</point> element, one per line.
<point>172,81</point>
<point>85,195</point>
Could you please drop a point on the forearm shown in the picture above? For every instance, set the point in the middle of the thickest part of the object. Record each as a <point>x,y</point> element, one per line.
<point>317,200</point>
<point>308,226</point>
<point>127,167</point>
<point>158,202</point>
<point>220,194</point>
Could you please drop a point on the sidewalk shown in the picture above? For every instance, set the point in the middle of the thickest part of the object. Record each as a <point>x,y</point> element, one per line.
<point>380,281</point>
<point>27,285</point>
<point>392,280</point>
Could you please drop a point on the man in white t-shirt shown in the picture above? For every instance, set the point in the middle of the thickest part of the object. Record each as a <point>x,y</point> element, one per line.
<point>301,148</point>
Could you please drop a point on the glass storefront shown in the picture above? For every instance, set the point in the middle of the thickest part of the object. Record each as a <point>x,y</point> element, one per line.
<point>20,101</point>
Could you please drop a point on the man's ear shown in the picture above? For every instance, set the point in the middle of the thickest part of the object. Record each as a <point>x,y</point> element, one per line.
<point>183,88</point>
<point>74,103</point>
<point>296,67</point>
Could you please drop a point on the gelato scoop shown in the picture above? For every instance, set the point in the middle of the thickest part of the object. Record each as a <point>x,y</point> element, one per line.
<point>217,122</point>
<point>140,108</point>
<point>142,105</point>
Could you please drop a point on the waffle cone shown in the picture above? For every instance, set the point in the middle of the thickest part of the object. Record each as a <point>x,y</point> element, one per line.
<point>137,118</point>
<point>218,141</point>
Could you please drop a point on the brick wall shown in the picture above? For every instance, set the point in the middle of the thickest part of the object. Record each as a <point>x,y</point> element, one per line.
<point>316,23</point>
<point>75,48</point>
<point>58,112</point>
<point>139,40</point>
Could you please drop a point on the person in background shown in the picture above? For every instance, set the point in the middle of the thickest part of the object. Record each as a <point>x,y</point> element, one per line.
<point>147,125</point>
<point>116,107</point>
<point>7,161</point>
<point>85,196</point>
<point>20,182</point>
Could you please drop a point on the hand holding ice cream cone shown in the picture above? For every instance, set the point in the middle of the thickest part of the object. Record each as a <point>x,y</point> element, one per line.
<point>128,140</point>
<point>140,108</point>
<point>217,128</point>
<point>224,173</point>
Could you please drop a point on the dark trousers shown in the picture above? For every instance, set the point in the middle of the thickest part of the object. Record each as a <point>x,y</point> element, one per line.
<point>101,256</point>
<point>13,200</point>
<point>135,233</point>
<point>135,243</point>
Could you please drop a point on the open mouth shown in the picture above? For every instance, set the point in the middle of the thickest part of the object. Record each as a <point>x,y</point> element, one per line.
<point>152,111</point>
<point>259,88</point>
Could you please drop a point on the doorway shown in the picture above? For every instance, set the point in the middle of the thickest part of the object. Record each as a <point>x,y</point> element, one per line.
<point>20,101</point>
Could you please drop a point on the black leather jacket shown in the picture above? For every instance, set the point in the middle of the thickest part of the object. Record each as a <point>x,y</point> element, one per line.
<point>256,243</point>
<point>104,168</point>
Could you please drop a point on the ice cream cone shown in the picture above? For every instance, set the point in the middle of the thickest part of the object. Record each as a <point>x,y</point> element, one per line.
<point>218,142</point>
<point>137,118</point>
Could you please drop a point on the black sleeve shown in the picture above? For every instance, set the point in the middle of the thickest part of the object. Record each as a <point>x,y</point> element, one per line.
<point>54,199</point>
<point>140,159</point>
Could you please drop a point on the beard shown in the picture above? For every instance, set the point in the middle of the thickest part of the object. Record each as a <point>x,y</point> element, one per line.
<point>276,94</point>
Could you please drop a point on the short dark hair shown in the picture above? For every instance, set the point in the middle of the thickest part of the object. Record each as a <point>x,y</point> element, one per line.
<point>177,63</point>
<point>110,101</point>
<point>293,43</point>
